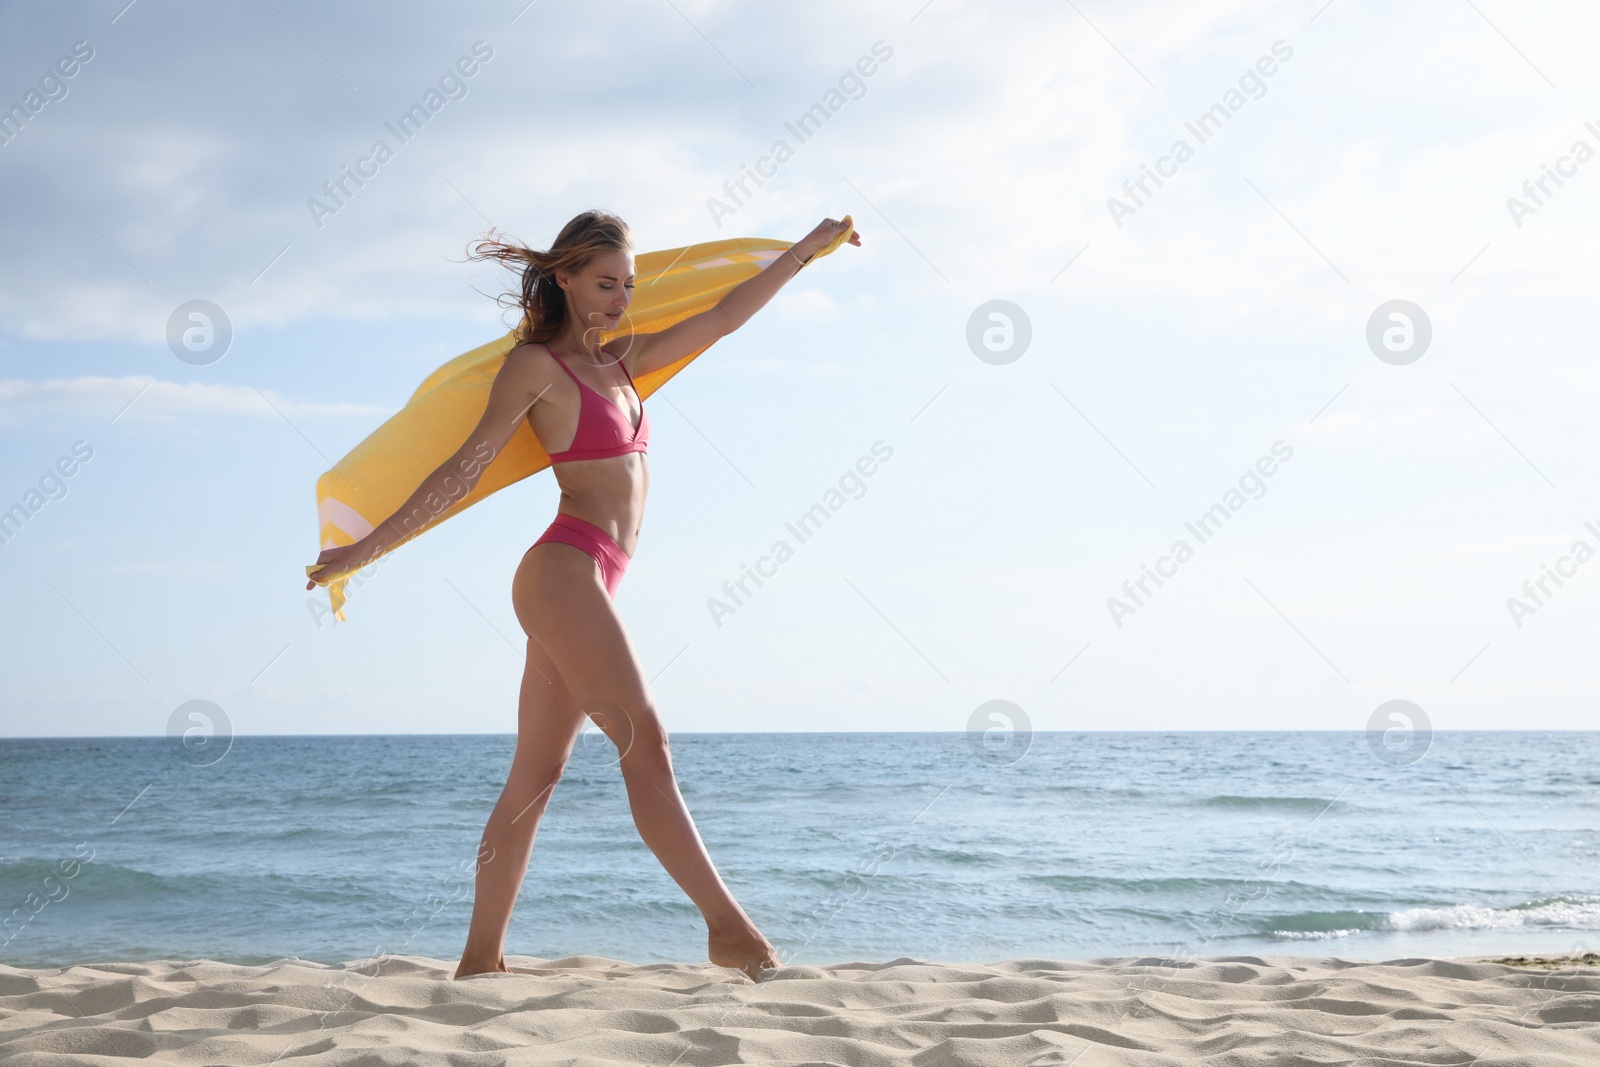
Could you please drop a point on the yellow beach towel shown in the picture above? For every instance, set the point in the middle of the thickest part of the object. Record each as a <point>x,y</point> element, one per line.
<point>366,486</point>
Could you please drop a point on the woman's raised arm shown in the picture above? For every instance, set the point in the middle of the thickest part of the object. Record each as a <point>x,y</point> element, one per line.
<point>656,350</point>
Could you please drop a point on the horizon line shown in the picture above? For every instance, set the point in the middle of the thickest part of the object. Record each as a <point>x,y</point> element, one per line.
<point>812,733</point>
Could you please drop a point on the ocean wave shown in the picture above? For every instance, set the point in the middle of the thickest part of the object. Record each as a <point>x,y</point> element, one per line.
<point>27,874</point>
<point>1176,884</point>
<point>1576,912</point>
<point>1322,925</point>
<point>1572,911</point>
<point>1313,935</point>
<point>1313,805</point>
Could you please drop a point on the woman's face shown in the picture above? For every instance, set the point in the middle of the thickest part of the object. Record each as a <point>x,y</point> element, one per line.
<point>599,294</point>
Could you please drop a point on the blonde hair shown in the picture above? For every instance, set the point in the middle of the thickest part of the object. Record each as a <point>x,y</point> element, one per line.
<point>543,304</point>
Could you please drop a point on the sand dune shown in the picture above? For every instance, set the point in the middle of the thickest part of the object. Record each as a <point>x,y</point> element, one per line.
<point>1237,1011</point>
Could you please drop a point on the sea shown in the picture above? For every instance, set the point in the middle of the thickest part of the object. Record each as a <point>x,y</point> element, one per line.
<point>842,846</point>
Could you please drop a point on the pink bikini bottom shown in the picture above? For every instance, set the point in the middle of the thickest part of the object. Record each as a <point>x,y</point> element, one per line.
<point>571,530</point>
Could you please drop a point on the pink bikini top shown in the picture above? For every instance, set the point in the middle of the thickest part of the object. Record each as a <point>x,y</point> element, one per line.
<point>603,428</point>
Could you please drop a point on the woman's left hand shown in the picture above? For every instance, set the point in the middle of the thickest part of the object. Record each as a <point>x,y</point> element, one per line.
<point>826,231</point>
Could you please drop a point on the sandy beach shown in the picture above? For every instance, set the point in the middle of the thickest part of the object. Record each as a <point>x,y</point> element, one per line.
<point>589,1010</point>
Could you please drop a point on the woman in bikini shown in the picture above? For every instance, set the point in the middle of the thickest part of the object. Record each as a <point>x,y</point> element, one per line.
<point>577,394</point>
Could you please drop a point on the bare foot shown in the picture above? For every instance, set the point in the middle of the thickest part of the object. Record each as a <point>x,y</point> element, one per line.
<point>468,968</point>
<point>743,949</point>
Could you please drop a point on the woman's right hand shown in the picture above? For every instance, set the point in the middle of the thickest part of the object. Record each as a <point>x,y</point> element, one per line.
<point>342,557</point>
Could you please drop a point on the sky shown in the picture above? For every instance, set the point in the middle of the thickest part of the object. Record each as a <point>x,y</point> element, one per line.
<point>1348,319</point>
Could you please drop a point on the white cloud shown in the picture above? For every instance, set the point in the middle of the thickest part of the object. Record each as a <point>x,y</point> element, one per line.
<point>811,304</point>
<point>139,397</point>
<point>991,140</point>
<point>1414,429</point>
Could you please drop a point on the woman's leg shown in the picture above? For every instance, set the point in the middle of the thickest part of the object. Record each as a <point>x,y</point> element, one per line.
<point>547,725</point>
<point>563,605</point>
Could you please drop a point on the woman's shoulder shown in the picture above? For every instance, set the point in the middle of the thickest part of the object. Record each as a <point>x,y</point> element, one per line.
<point>531,354</point>
<point>532,362</point>
<point>525,349</point>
